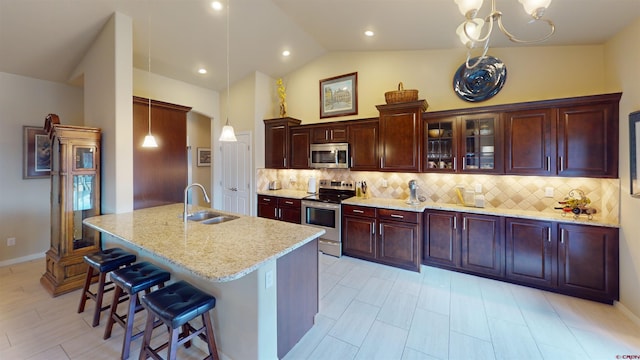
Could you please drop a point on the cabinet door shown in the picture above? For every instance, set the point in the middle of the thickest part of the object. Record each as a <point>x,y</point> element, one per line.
<point>530,248</point>
<point>481,143</point>
<point>289,210</point>
<point>587,141</point>
<point>399,244</point>
<point>441,145</point>
<point>400,138</point>
<point>363,139</point>
<point>588,261</point>
<point>268,207</point>
<point>441,244</point>
<point>275,151</point>
<point>359,237</point>
<point>482,244</point>
<point>530,147</point>
<point>300,140</point>
<point>329,134</point>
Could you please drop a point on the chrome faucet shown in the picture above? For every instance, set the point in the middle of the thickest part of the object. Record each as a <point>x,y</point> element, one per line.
<point>186,191</point>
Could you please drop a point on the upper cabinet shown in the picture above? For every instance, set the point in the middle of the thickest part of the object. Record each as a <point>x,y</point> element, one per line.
<point>363,140</point>
<point>300,152</point>
<point>401,136</point>
<point>575,137</point>
<point>277,142</point>
<point>329,133</point>
<point>466,143</point>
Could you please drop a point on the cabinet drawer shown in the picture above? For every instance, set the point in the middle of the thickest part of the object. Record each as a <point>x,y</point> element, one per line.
<point>358,211</point>
<point>264,199</point>
<point>398,215</point>
<point>293,203</point>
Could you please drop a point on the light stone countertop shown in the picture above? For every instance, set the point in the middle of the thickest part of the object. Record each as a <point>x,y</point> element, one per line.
<point>287,193</point>
<point>217,252</point>
<point>397,204</point>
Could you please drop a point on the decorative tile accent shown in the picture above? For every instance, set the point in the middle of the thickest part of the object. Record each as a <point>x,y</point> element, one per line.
<point>504,191</point>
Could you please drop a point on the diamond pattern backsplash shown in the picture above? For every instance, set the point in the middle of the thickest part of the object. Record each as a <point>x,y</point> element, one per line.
<point>510,192</point>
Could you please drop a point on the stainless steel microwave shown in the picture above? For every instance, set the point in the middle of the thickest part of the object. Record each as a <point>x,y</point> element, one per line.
<point>329,156</point>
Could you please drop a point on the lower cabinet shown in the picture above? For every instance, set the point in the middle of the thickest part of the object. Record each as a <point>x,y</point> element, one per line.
<point>469,242</point>
<point>577,260</point>
<point>277,208</point>
<point>387,236</point>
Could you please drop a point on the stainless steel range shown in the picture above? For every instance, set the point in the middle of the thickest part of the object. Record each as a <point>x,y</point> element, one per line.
<point>323,210</point>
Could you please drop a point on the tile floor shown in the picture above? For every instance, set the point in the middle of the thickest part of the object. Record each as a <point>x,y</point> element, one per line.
<point>367,311</point>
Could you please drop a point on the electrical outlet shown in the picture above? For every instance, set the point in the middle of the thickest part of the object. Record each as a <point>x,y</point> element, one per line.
<point>384,183</point>
<point>268,279</point>
<point>478,188</point>
<point>11,241</point>
<point>548,192</point>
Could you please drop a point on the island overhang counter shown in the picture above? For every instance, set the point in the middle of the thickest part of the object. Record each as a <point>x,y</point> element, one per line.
<point>263,273</point>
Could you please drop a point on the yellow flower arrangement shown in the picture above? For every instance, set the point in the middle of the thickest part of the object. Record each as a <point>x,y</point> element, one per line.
<point>282,94</point>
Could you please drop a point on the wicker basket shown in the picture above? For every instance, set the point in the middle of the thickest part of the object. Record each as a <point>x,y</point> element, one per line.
<point>400,95</point>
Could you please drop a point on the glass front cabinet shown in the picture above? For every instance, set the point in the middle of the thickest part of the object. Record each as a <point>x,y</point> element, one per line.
<point>75,195</point>
<point>469,143</point>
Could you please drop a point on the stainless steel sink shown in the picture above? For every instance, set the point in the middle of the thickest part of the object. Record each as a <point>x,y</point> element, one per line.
<point>210,217</point>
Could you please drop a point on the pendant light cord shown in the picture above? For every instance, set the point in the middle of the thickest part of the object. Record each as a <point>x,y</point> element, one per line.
<point>228,81</point>
<point>149,64</point>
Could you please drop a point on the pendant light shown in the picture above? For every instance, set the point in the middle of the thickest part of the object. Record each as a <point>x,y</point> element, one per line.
<point>149,140</point>
<point>227,130</point>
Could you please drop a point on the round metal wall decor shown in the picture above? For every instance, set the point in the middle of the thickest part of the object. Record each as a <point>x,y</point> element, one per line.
<point>482,82</point>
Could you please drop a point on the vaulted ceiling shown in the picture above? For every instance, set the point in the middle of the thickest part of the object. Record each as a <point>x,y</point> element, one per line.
<point>46,39</point>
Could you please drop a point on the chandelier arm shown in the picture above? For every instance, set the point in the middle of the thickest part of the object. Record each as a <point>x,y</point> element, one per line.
<point>489,19</point>
<point>520,41</point>
<point>480,58</point>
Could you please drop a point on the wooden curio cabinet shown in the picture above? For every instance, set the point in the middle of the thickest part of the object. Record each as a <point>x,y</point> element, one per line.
<point>75,195</point>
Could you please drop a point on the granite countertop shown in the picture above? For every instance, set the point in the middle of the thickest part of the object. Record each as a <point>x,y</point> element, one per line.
<point>536,215</point>
<point>218,252</point>
<point>287,193</point>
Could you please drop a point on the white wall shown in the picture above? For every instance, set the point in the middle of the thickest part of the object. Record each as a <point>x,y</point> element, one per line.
<point>622,59</point>
<point>25,203</point>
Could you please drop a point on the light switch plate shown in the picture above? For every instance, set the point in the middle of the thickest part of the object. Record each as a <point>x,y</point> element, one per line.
<point>548,192</point>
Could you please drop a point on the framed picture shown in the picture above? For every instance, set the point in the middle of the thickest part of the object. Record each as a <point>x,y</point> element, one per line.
<point>339,96</point>
<point>36,153</point>
<point>634,152</point>
<point>204,157</point>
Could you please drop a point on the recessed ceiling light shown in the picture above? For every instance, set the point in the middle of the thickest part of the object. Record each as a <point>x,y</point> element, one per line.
<point>369,33</point>
<point>216,5</point>
<point>286,53</point>
<point>202,71</point>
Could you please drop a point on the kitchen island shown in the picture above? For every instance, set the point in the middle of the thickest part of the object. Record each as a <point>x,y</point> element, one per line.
<point>263,273</point>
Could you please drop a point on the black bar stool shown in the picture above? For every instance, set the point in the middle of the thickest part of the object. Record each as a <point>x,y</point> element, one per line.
<point>176,305</point>
<point>101,263</point>
<point>132,279</point>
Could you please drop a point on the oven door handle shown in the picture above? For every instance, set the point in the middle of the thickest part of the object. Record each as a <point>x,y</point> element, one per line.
<point>318,204</point>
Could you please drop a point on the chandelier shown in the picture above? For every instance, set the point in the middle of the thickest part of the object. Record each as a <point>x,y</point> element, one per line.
<point>470,31</point>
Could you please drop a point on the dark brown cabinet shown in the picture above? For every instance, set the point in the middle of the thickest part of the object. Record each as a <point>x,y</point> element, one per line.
<point>467,143</point>
<point>469,242</point>
<point>300,151</point>
<point>329,133</point>
<point>400,140</point>
<point>530,248</point>
<point>530,147</point>
<point>363,140</point>
<point>277,208</point>
<point>577,260</point>
<point>588,262</point>
<point>391,237</point>
<point>482,244</point>
<point>277,142</point>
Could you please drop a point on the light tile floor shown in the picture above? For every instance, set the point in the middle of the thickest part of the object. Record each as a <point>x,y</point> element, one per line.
<point>367,311</point>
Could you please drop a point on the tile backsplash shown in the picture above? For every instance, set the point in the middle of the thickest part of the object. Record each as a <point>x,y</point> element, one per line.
<point>503,191</point>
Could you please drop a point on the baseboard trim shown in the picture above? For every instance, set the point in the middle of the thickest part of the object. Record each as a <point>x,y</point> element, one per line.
<point>21,259</point>
<point>633,317</point>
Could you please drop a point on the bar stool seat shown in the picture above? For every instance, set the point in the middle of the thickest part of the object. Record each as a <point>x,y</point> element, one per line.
<point>132,279</point>
<point>176,305</point>
<point>101,263</point>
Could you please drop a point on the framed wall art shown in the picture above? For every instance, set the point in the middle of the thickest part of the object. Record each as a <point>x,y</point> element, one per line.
<point>36,153</point>
<point>634,152</point>
<point>339,96</point>
<point>204,157</point>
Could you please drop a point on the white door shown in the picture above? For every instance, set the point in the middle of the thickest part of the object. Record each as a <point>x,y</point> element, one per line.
<point>236,174</point>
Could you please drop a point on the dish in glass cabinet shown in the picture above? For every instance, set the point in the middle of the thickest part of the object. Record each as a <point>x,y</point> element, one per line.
<point>482,82</point>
